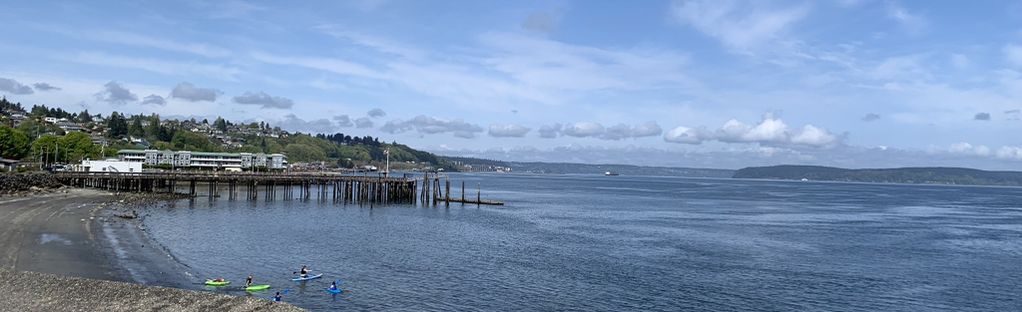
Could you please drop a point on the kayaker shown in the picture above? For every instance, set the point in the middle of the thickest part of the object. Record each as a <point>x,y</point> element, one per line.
<point>276,297</point>
<point>248,281</point>
<point>304,272</point>
<point>333,285</point>
<point>218,279</point>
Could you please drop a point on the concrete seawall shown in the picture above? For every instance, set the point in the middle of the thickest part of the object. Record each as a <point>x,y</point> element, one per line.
<point>29,291</point>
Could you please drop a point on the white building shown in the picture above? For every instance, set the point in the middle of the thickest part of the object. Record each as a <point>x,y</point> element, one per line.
<point>205,160</point>
<point>110,165</point>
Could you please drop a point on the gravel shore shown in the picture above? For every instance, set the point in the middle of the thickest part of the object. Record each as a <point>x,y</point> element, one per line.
<point>83,236</point>
<point>30,291</point>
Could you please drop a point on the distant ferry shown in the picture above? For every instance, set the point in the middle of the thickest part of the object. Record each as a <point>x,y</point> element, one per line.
<point>611,174</point>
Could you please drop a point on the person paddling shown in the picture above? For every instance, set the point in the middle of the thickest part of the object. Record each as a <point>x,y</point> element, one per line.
<point>248,281</point>
<point>276,297</point>
<point>333,285</point>
<point>304,272</point>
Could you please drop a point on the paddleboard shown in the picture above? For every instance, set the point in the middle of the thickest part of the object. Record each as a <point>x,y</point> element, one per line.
<point>298,279</point>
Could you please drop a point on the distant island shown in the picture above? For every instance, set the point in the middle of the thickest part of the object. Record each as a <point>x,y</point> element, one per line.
<point>919,175</point>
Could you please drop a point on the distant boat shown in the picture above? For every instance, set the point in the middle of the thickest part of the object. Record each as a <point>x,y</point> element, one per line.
<point>805,180</point>
<point>611,174</point>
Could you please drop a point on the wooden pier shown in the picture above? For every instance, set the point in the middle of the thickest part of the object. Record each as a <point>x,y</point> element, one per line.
<point>352,189</point>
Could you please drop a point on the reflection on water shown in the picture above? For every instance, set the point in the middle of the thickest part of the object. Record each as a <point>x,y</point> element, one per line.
<point>627,243</point>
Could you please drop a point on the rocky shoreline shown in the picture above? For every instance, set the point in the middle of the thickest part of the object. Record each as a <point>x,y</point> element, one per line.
<point>16,184</point>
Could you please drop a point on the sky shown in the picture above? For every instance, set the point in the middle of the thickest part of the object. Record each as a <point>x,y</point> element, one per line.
<point>721,84</point>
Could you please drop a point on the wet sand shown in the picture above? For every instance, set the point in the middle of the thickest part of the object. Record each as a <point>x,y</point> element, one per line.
<point>54,233</point>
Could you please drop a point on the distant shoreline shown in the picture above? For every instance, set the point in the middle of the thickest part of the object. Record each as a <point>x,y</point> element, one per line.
<point>907,175</point>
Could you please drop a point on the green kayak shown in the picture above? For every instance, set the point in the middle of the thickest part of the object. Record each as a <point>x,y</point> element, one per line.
<point>257,287</point>
<point>213,283</point>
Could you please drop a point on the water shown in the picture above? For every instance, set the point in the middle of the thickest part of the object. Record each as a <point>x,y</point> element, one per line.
<point>594,243</point>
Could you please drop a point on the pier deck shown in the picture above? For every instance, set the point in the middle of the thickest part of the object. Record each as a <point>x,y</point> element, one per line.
<point>360,189</point>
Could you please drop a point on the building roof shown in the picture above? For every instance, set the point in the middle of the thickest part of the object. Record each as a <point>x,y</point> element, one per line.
<point>138,151</point>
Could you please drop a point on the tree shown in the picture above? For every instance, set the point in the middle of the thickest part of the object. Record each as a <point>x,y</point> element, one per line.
<point>304,152</point>
<point>153,130</point>
<point>39,111</point>
<point>76,146</point>
<point>136,130</point>
<point>220,124</point>
<point>186,140</point>
<point>44,148</point>
<point>32,128</point>
<point>116,125</point>
<point>14,144</point>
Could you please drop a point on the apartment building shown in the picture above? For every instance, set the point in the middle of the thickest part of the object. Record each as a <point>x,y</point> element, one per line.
<point>205,160</point>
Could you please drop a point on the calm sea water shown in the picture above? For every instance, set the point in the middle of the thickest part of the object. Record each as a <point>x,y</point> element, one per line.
<point>594,243</point>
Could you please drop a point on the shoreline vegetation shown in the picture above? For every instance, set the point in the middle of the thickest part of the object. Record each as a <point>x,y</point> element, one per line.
<point>94,244</point>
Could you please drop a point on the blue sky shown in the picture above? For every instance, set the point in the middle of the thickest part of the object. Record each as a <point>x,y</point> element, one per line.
<point>679,83</point>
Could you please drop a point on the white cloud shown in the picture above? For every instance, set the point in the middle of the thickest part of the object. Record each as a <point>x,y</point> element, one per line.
<point>969,149</point>
<point>583,129</point>
<point>623,131</point>
<point>1010,152</point>
<point>687,135</point>
<point>742,26</point>
<point>813,136</point>
<point>505,130</point>
<point>770,131</point>
<point>150,41</point>
<point>293,123</point>
<point>429,125</point>
<point>175,68</point>
<point>333,65</point>
<point>550,131</point>
<point>912,23</point>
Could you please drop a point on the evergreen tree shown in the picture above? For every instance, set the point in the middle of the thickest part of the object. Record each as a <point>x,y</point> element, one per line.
<point>116,125</point>
<point>135,129</point>
<point>220,124</point>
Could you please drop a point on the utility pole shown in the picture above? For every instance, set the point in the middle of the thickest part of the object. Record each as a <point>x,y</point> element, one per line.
<point>387,152</point>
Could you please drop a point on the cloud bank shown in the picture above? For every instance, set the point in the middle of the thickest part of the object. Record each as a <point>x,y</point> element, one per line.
<point>770,131</point>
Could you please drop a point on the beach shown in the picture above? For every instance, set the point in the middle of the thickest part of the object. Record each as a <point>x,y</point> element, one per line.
<point>91,234</point>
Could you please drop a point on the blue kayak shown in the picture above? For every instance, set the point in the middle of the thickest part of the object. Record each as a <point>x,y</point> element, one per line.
<point>333,291</point>
<point>299,279</point>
